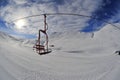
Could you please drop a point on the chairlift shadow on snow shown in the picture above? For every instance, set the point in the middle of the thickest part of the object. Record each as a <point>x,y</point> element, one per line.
<point>76,51</point>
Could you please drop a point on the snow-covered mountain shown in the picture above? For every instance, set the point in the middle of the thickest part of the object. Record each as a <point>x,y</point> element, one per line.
<point>10,39</point>
<point>109,35</point>
<point>75,56</point>
<point>6,37</point>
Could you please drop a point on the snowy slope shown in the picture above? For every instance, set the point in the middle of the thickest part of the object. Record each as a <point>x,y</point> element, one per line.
<point>10,39</point>
<point>76,56</point>
<point>6,37</point>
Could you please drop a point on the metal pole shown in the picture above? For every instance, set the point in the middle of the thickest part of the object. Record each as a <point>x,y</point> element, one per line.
<point>39,41</point>
<point>45,29</point>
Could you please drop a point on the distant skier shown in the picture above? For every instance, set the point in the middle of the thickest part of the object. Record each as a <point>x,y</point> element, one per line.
<point>92,35</point>
<point>118,52</point>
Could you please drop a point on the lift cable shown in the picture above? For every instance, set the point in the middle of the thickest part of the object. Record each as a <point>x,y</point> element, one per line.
<point>72,14</point>
<point>52,14</point>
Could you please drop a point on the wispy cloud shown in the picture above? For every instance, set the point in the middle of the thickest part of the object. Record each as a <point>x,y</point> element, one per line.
<point>16,9</point>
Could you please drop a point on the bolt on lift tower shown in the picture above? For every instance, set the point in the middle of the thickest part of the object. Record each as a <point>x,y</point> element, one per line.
<point>42,49</point>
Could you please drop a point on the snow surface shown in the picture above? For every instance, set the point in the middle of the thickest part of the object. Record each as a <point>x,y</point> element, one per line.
<point>76,56</point>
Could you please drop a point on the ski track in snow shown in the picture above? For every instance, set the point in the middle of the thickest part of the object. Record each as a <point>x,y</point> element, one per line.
<point>24,64</point>
<point>90,59</point>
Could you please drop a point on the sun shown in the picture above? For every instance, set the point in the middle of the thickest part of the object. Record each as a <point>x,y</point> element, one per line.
<point>20,24</point>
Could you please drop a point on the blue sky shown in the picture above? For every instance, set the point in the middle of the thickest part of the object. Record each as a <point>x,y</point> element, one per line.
<point>106,11</point>
<point>103,10</point>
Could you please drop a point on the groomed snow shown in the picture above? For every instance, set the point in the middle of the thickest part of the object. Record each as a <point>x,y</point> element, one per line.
<point>76,56</point>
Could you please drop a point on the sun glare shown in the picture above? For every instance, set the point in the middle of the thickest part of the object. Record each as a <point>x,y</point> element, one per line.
<point>20,24</point>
